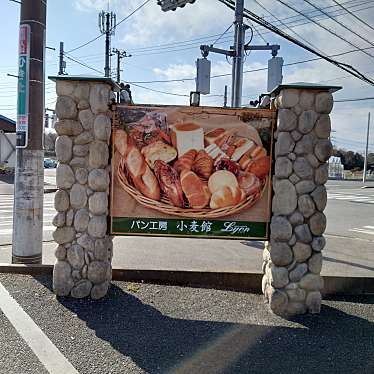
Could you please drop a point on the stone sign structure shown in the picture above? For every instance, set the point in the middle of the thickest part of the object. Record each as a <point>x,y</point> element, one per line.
<point>84,250</point>
<point>292,259</point>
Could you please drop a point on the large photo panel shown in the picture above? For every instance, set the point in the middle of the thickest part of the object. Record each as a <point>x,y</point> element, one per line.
<point>191,172</point>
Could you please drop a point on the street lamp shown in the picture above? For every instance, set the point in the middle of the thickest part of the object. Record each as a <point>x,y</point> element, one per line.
<point>173,4</point>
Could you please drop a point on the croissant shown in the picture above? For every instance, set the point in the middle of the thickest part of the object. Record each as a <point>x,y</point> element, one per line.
<point>203,165</point>
<point>185,161</point>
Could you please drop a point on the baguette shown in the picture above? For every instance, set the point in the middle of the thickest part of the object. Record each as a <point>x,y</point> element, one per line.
<point>196,191</point>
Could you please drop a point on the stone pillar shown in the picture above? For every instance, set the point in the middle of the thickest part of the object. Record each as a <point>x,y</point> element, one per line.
<point>292,259</point>
<point>84,250</point>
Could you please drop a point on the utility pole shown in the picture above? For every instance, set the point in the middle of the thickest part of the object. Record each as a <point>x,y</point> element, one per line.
<point>107,25</point>
<point>120,55</point>
<point>366,150</point>
<point>29,178</point>
<point>62,63</point>
<point>237,65</point>
<point>225,97</point>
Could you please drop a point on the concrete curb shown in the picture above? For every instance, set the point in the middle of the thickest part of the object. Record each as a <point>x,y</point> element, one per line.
<point>238,281</point>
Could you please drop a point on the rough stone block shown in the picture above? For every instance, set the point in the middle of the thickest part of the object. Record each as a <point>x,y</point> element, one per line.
<point>66,108</point>
<point>324,102</point>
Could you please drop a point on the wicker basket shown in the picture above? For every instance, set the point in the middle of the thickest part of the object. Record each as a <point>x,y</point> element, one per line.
<point>166,207</point>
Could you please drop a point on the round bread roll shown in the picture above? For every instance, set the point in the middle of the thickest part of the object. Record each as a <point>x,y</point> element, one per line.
<point>220,179</point>
<point>226,196</point>
<point>249,183</point>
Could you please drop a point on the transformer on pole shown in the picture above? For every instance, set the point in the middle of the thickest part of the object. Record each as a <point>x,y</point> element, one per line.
<point>167,5</point>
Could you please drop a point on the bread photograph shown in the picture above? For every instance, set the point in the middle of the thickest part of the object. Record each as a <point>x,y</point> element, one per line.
<point>191,171</point>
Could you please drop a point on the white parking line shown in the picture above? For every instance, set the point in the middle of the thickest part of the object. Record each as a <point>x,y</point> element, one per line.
<point>364,230</point>
<point>10,231</point>
<point>47,353</point>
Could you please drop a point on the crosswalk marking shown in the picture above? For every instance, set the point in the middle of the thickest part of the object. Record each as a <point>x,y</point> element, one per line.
<point>369,199</point>
<point>364,230</point>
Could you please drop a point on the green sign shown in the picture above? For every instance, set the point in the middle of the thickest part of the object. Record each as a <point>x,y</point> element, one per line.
<point>23,87</point>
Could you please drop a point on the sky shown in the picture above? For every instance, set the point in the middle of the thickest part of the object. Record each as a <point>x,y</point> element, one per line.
<point>165,46</point>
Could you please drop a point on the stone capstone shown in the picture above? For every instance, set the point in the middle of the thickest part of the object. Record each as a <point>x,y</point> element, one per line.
<point>306,205</point>
<point>78,196</point>
<point>99,98</point>
<point>68,127</point>
<point>81,175</point>
<point>98,203</point>
<point>307,121</point>
<point>301,251</point>
<point>324,102</point>
<point>62,280</point>
<point>64,235</point>
<point>283,167</point>
<point>284,144</point>
<point>81,220</point>
<point>280,253</point>
<point>86,118</point>
<point>75,256</point>
<point>102,127</point>
<point>97,226</point>
<point>288,98</point>
<point>317,223</point>
<point>81,289</point>
<point>64,176</point>
<point>323,126</point>
<point>318,243</point>
<point>323,150</point>
<point>64,148</point>
<point>280,229</point>
<point>287,120</point>
<point>299,271</point>
<point>98,154</point>
<point>319,196</point>
<point>302,168</point>
<point>97,271</point>
<point>285,198</point>
<point>315,263</point>
<point>61,201</point>
<point>66,108</point>
<point>303,234</point>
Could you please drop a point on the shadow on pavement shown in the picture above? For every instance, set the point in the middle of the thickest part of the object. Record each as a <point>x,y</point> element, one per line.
<point>330,259</point>
<point>334,342</point>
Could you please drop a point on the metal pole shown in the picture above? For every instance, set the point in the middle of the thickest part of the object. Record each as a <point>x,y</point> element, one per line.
<point>29,178</point>
<point>107,45</point>
<point>61,59</point>
<point>366,150</point>
<point>237,66</point>
<point>118,66</point>
<point>225,97</point>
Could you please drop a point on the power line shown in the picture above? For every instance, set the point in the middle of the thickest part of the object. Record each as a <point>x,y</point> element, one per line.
<point>354,99</point>
<point>82,63</point>
<point>122,20</point>
<point>254,17</point>
<point>321,26</point>
<point>353,15</point>
<point>159,91</point>
<point>231,24</point>
<point>339,23</point>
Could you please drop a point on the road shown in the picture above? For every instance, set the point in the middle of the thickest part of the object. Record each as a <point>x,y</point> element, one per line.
<point>349,249</point>
<point>145,328</point>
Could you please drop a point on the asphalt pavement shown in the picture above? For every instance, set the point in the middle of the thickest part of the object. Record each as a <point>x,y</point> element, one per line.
<point>143,328</point>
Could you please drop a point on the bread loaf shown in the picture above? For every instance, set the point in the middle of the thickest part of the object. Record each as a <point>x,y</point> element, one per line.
<point>196,191</point>
<point>158,151</point>
<point>186,136</point>
<point>220,179</point>
<point>226,196</point>
<point>251,155</point>
<point>185,161</point>
<point>203,165</point>
<point>249,183</point>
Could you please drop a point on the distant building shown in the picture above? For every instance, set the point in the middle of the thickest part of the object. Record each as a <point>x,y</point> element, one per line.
<point>7,142</point>
<point>336,168</point>
<point>7,124</point>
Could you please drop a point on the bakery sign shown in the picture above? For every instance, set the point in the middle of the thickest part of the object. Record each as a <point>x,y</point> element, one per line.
<point>191,172</point>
